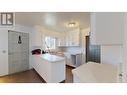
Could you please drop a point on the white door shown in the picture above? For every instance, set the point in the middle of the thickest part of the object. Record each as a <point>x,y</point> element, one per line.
<point>3,52</point>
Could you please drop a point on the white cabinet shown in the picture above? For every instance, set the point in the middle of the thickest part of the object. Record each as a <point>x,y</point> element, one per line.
<point>73,38</point>
<point>61,41</point>
<point>73,59</point>
<point>107,28</point>
<point>50,67</point>
<point>68,59</point>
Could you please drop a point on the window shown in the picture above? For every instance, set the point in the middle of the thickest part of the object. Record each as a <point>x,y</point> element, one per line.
<point>50,42</point>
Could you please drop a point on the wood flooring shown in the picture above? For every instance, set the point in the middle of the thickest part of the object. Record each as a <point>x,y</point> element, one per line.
<point>31,76</point>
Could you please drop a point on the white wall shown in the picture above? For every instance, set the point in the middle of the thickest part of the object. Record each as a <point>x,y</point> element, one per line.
<point>107,28</point>
<point>3,55</point>
<point>124,66</point>
<point>111,54</point>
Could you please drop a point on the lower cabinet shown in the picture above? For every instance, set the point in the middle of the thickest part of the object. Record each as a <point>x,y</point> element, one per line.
<point>73,60</point>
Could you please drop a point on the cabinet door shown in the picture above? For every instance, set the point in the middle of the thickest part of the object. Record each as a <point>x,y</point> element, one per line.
<point>107,28</point>
<point>61,42</point>
<point>68,38</point>
<point>72,38</point>
<point>75,39</point>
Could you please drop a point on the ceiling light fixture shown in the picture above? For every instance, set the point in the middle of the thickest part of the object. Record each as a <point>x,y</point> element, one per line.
<point>72,24</point>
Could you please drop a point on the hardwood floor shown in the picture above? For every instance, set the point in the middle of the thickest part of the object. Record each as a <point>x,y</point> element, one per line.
<point>69,76</point>
<point>31,76</point>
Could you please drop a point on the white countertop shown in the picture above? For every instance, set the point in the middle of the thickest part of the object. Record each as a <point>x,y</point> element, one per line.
<point>51,58</point>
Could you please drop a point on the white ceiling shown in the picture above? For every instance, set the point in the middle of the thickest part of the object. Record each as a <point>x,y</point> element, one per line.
<point>52,20</point>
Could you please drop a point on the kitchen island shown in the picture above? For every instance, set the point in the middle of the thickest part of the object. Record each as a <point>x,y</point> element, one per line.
<point>50,67</point>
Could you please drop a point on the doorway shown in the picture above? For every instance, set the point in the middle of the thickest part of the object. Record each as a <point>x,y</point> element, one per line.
<point>93,52</point>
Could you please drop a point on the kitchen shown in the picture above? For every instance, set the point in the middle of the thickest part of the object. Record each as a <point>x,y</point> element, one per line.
<point>60,34</point>
<point>60,47</point>
<point>69,44</point>
<point>66,41</point>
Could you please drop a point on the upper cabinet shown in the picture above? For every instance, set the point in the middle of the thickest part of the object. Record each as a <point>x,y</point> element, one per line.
<point>107,28</point>
<point>61,42</point>
<point>70,38</point>
<point>73,38</point>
